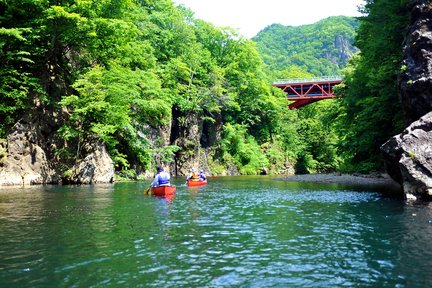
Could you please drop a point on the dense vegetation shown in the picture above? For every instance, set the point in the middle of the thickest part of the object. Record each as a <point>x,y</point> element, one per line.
<point>320,49</point>
<point>323,48</point>
<point>114,71</point>
<point>369,111</point>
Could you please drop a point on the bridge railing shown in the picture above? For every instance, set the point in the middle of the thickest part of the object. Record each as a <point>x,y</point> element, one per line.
<point>307,80</point>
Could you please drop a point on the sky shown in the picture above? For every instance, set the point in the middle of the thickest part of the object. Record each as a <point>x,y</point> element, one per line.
<point>251,16</point>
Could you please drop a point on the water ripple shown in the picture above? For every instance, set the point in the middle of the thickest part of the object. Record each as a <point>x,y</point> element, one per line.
<point>234,232</point>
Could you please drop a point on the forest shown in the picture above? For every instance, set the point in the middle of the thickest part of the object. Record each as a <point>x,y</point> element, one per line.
<point>116,71</point>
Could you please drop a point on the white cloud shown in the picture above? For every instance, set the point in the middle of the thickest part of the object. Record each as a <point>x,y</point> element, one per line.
<point>252,16</point>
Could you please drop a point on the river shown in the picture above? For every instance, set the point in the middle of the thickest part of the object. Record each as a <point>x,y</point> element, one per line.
<point>233,232</point>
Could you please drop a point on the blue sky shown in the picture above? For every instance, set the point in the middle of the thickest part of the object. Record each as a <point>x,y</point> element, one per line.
<point>251,16</point>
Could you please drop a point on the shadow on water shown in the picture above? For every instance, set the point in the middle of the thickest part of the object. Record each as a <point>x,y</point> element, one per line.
<point>385,186</point>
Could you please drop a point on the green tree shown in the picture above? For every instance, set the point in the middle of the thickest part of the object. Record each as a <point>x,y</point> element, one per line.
<point>322,48</point>
<point>373,112</point>
<point>110,105</point>
<point>17,84</point>
<point>319,141</point>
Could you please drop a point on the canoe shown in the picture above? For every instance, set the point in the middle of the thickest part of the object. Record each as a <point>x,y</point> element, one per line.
<point>196,183</point>
<point>163,190</point>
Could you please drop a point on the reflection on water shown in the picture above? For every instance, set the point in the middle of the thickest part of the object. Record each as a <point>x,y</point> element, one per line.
<point>235,231</point>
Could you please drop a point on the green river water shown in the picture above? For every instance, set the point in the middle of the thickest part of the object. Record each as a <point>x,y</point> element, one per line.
<point>233,232</point>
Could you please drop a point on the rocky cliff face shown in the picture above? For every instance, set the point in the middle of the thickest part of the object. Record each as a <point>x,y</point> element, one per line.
<point>96,167</point>
<point>30,155</point>
<point>408,156</point>
<point>24,161</point>
<point>186,134</point>
<point>415,81</point>
<point>33,154</point>
<point>345,50</point>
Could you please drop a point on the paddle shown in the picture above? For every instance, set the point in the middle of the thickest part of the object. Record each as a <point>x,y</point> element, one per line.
<point>147,191</point>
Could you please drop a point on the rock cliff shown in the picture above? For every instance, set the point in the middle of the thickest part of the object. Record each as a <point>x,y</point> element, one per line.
<point>31,155</point>
<point>24,161</point>
<point>408,159</point>
<point>415,81</point>
<point>408,156</point>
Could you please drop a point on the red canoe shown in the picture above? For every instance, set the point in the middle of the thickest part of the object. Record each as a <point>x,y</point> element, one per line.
<point>196,183</point>
<point>163,190</point>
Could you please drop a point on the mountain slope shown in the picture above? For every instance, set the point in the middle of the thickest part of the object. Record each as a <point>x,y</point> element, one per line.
<point>322,48</point>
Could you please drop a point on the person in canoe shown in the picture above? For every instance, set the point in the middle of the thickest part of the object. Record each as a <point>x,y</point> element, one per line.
<point>161,178</point>
<point>193,176</point>
<point>201,175</point>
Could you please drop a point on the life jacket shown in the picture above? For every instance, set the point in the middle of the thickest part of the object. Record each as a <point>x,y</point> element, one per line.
<point>164,179</point>
<point>194,177</point>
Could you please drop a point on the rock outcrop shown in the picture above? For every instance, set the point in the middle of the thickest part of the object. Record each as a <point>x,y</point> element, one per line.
<point>345,49</point>
<point>415,80</point>
<point>24,161</point>
<point>408,158</point>
<point>96,167</point>
<point>29,156</point>
<point>186,135</point>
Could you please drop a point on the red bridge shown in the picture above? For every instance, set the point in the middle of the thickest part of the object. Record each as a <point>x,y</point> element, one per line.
<point>307,91</point>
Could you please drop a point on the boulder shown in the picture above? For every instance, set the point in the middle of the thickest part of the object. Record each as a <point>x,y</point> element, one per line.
<point>408,156</point>
<point>408,159</point>
<point>96,167</point>
<point>24,161</point>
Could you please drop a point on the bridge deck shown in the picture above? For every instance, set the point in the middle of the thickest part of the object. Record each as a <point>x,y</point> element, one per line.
<point>307,91</point>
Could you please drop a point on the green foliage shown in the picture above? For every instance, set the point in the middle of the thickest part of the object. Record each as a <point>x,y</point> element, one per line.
<point>372,110</point>
<point>166,153</point>
<point>411,154</point>
<point>318,138</point>
<point>108,105</point>
<point>309,136</point>
<point>322,48</point>
<point>125,175</point>
<point>17,84</point>
<point>116,71</point>
<point>242,150</point>
<point>278,157</point>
